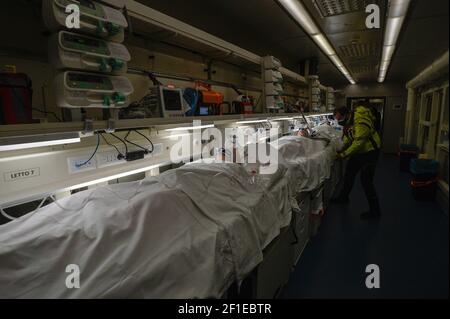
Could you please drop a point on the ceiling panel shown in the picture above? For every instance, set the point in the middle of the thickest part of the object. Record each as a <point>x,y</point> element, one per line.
<point>424,39</point>
<point>260,26</point>
<point>344,25</point>
<point>263,27</point>
<point>329,8</point>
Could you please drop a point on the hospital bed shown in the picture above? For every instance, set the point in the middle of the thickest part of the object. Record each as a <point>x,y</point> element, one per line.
<point>190,232</point>
<point>300,156</point>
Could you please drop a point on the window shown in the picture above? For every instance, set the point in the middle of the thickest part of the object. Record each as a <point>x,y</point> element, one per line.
<point>443,128</point>
<point>442,138</point>
<point>428,107</point>
<point>433,121</point>
<point>444,166</point>
<point>424,141</point>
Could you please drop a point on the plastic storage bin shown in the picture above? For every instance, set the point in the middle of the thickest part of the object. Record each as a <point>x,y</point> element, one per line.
<point>407,153</point>
<point>15,98</point>
<point>424,190</point>
<point>424,170</point>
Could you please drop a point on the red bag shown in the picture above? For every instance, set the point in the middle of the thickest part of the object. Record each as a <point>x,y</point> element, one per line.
<point>15,98</point>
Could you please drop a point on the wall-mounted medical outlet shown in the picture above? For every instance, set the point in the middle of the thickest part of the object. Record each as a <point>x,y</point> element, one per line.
<point>106,159</point>
<point>158,150</point>
<point>80,164</point>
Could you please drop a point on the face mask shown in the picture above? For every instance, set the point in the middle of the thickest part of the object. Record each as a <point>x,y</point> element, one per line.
<point>342,123</point>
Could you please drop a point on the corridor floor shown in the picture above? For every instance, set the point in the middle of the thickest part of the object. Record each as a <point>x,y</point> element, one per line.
<point>410,244</point>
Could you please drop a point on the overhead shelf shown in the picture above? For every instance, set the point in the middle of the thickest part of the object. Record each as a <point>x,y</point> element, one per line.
<point>160,27</point>
<point>163,27</point>
<point>290,75</point>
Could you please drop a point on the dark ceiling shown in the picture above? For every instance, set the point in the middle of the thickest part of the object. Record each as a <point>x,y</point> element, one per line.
<point>263,27</point>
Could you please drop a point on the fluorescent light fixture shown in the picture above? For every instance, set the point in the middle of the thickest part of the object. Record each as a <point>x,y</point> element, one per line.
<point>26,142</point>
<point>396,17</point>
<point>324,44</point>
<point>282,119</point>
<point>336,60</point>
<point>393,27</point>
<point>388,51</point>
<point>113,177</point>
<point>301,15</point>
<point>315,115</point>
<point>312,115</point>
<point>398,8</point>
<point>252,122</point>
<point>350,79</point>
<point>189,128</point>
<point>343,70</point>
<point>384,65</point>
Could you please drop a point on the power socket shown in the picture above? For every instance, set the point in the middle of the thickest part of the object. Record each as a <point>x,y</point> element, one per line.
<point>74,164</point>
<point>106,159</point>
<point>158,150</point>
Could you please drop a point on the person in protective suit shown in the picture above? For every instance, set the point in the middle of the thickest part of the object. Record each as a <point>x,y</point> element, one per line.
<point>362,144</point>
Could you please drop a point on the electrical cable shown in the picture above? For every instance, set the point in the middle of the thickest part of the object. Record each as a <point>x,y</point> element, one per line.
<point>191,96</point>
<point>151,143</point>
<point>93,154</point>
<point>6,215</point>
<point>141,147</point>
<point>121,156</point>
<point>27,215</point>
<point>257,102</point>
<point>46,112</point>
<point>78,209</point>
<point>118,138</point>
<point>19,98</point>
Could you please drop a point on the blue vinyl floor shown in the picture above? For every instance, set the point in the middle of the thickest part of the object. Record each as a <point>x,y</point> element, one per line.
<point>410,244</point>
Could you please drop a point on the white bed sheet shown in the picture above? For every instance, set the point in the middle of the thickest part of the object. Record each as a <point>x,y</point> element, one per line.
<point>188,233</point>
<point>309,160</point>
<point>129,240</point>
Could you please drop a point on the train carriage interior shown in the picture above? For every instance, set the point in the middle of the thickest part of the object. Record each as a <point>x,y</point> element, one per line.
<point>232,150</point>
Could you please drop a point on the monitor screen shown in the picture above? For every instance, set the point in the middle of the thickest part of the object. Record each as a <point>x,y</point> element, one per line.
<point>89,78</point>
<point>81,40</point>
<point>172,100</point>
<point>87,3</point>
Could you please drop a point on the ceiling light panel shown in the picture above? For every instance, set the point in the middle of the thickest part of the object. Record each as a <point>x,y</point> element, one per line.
<point>398,8</point>
<point>324,44</point>
<point>393,27</point>
<point>336,60</point>
<point>359,50</point>
<point>388,51</point>
<point>397,11</point>
<point>300,14</point>
<point>329,8</point>
<point>384,65</point>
